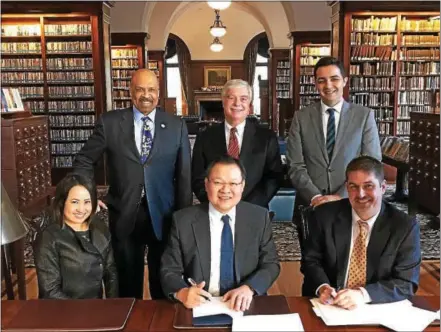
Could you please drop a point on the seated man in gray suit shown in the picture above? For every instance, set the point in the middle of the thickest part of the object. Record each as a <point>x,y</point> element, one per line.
<point>324,137</point>
<point>220,248</point>
<point>363,250</point>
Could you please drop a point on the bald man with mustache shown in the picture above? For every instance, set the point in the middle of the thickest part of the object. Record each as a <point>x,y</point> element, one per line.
<point>148,171</point>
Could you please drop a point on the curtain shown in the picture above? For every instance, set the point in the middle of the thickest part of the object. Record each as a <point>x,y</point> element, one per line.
<point>250,57</point>
<point>184,70</point>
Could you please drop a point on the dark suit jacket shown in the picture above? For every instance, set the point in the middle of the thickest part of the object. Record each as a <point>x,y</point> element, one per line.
<point>166,173</point>
<point>259,154</point>
<point>188,252</point>
<point>393,253</point>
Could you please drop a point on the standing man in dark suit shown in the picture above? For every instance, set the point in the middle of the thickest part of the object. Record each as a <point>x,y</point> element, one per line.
<point>365,247</point>
<point>324,137</point>
<point>256,147</point>
<point>148,169</point>
<point>225,245</point>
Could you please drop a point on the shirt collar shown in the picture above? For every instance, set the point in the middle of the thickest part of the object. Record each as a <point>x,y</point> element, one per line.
<point>337,106</point>
<point>138,115</point>
<point>370,221</point>
<point>240,127</point>
<point>216,215</point>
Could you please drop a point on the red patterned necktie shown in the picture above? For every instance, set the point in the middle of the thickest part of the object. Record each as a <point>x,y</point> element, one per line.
<point>233,144</point>
<point>357,267</point>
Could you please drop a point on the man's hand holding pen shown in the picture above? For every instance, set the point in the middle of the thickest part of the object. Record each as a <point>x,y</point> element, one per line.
<point>193,296</point>
<point>344,298</point>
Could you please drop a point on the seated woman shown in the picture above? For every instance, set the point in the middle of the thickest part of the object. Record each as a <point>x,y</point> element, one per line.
<point>74,254</point>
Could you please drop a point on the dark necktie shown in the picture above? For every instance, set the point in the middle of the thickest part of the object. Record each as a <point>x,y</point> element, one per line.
<point>233,144</point>
<point>330,136</point>
<point>226,281</point>
<point>146,139</point>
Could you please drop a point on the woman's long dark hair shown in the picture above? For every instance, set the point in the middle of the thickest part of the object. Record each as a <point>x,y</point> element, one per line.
<point>62,192</point>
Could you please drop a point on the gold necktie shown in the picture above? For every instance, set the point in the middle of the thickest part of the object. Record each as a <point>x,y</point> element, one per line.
<point>357,267</point>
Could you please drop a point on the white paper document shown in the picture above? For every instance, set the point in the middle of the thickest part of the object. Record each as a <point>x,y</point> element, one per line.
<point>398,316</point>
<point>215,307</point>
<point>287,322</point>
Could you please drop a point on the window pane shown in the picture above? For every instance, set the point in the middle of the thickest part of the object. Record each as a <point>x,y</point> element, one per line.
<point>174,87</point>
<point>263,72</point>
<point>261,59</point>
<point>173,59</point>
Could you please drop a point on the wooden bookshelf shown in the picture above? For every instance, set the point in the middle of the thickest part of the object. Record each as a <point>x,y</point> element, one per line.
<point>391,53</point>
<point>155,62</point>
<point>280,93</point>
<point>58,61</point>
<point>307,47</point>
<point>128,54</point>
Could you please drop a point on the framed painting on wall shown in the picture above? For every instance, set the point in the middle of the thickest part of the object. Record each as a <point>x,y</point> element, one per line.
<point>216,75</point>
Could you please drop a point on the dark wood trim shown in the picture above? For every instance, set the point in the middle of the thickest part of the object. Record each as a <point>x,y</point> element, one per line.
<point>387,6</point>
<point>55,7</point>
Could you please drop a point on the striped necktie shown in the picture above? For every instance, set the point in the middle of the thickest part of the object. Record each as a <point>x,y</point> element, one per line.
<point>233,144</point>
<point>330,136</point>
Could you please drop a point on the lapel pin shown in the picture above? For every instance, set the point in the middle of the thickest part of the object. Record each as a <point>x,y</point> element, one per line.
<point>162,125</point>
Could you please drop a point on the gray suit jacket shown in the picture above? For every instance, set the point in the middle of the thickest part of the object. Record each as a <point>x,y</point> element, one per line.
<point>188,252</point>
<point>310,170</point>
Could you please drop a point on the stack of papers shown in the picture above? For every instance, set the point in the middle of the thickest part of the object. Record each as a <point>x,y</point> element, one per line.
<point>410,318</point>
<point>286,322</point>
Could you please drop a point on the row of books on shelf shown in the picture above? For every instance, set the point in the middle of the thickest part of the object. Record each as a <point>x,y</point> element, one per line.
<point>122,73</point>
<point>70,134</point>
<point>283,64</point>
<point>372,99</point>
<point>376,39</point>
<point>22,77</point>
<point>315,50</point>
<point>415,25</point>
<point>62,161</point>
<point>374,23</point>
<point>384,128</point>
<point>396,148</point>
<point>119,104</point>
<point>22,30</point>
<point>283,72</point>
<point>367,68</point>
<point>124,53</point>
<point>424,54</point>
<point>11,100</point>
<point>360,83</point>
<point>308,89</point>
<point>31,47</point>
<point>384,114</point>
<point>419,83</point>
<point>72,120</point>
<point>66,148</point>
<point>415,98</point>
<point>31,91</point>
<point>308,100</point>
<point>366,52</point>
<point>73,46</point>
<point>418,40</point>
<point>309,60</point>
<point>75,76</point>
<point>22,63</point>
<point>37,77</point>
<point>404,110</point>
<point>306,71</point>
<point>71,105</point>
<point>69,63</point>
<point>305,79</point>
<point>282,94</point>
<point>281,86</point>
<point>283,79</point>
<point>403,128</point>
<point>121,94</point>
<point>125,63</point>
<point>424,68</point>
<point>121,84</point>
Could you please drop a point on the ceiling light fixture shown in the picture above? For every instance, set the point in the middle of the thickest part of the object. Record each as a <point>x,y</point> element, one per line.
<point>216,45</point>
<point>218,29</point>
<point>219,5</point>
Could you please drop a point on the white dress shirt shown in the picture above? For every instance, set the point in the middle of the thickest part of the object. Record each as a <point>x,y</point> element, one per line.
<point>216,226</point>
<point>355,231</point>
<point>325,116</point>
<point>138,123</point>
<point>239,133</point>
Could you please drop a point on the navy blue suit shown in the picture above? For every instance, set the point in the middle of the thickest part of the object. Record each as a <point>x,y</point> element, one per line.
<point>393,253</point>
<point>165,174</point>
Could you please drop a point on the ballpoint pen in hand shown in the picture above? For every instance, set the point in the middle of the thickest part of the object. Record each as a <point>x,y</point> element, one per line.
<point>193,283</point>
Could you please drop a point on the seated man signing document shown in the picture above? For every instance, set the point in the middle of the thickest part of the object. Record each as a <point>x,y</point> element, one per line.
<point>220,248</point>
<point>361,249</point>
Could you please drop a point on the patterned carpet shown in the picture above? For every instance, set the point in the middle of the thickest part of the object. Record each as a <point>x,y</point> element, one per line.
<point>284,233</point>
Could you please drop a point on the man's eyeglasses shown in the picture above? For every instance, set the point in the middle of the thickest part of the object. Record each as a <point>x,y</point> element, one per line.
<point>220,184</point>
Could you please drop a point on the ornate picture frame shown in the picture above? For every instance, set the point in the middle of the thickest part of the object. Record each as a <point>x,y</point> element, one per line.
<point>216,75</point>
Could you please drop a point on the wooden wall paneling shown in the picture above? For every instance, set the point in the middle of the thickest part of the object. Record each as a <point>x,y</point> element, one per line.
<point>197,70</point>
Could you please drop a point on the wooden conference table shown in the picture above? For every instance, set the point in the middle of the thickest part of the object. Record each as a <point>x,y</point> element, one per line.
<point>159,315</point>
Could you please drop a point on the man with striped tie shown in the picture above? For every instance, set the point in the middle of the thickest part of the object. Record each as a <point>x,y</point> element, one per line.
<point>325,136</point>
<point>255,146</point>
<point>220,248</point>
<point>363,250</point>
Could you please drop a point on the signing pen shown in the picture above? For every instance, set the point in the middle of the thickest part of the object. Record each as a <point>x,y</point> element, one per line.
<point>193,283</point>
